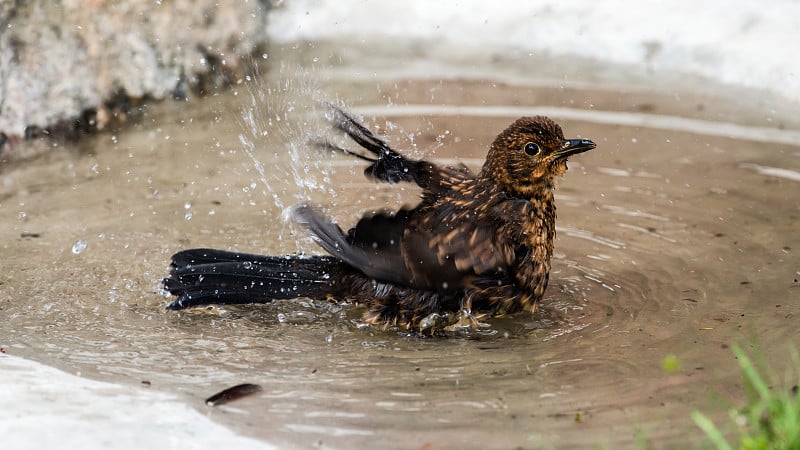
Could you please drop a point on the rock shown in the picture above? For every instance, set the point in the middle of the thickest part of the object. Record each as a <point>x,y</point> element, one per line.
<point>65,65</point>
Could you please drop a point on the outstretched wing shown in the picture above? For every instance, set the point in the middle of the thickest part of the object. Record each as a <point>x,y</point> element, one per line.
<point>387,165</point>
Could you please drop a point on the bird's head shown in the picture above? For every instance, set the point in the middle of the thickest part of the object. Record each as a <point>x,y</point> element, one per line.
<point>525,158</point>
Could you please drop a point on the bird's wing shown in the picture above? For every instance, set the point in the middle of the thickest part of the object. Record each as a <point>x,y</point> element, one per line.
<point>416,250</point>
<point>458,240</point>
<point>388,165</point>
<point>436,248</point>
<point>386,247</point>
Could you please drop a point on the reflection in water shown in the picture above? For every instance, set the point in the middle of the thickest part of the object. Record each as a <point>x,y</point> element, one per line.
<point>665,246</point>
<point>773,171</point>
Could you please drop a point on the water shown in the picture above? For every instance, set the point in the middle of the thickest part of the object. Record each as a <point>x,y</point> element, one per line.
<point>674,242</point>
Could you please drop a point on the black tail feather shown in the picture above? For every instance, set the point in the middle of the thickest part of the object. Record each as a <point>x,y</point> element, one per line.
<point>197,256</point>
<point>205,276</point>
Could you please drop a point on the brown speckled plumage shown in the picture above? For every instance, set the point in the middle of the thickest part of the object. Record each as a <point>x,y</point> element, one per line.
<point>476,244</point>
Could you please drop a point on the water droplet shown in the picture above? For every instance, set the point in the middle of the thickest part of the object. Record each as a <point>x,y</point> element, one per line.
<point>187,205</point>
<point>429,321</point>
<point>79,246</point>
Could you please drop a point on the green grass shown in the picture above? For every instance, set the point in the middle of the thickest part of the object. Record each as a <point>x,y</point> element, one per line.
<point>769,421</point>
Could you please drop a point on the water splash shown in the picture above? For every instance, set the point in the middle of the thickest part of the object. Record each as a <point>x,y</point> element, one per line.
<point>249,147</point>
<point>79,247</point>
<point>285,116</point>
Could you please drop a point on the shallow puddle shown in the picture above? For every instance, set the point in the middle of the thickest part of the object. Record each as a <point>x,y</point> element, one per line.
<point>677,236</point>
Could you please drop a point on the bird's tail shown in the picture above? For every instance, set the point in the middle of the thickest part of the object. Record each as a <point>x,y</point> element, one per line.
<point>206,276</point>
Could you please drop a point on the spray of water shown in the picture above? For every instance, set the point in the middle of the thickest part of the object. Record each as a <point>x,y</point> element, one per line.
<point>280,120</point>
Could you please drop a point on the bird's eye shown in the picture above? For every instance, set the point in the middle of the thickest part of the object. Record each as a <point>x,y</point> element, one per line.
<point>532,149</point>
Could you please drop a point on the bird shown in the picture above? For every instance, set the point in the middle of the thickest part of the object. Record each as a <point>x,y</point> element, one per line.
<point>477,245</point>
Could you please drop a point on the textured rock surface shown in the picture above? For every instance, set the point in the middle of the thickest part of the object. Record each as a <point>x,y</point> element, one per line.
<point>66,60</point>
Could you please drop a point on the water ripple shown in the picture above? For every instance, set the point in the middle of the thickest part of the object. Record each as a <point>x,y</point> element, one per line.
<point>772,171</point>
<point>589,236</point>
<point>631,119</point>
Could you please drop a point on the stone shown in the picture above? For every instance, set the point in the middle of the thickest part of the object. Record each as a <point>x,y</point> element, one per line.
<point>65,64</point>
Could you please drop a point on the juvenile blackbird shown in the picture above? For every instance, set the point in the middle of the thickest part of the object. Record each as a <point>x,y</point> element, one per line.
<point>476,245</point>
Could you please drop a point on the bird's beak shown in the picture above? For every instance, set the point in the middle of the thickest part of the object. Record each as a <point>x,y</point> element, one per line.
<point>573,147</point>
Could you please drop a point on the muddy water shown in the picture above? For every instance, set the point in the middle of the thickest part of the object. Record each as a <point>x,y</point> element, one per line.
<point>677,236</point>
